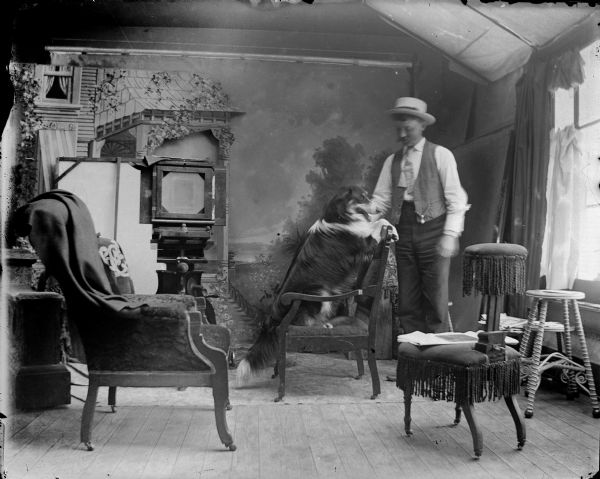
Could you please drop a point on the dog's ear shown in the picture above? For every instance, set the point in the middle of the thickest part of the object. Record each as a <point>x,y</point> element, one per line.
<point>331,214</point>
<point>336,211</point>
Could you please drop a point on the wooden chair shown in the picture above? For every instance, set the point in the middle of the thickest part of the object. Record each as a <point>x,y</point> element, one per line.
<point>339,338</point>
<point>472,373</point>
<point>128,340</point>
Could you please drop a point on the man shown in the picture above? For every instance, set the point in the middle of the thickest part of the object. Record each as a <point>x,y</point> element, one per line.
<point>420,189</point>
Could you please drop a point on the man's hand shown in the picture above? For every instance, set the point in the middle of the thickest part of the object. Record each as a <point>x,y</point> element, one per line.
<point>448,246</point>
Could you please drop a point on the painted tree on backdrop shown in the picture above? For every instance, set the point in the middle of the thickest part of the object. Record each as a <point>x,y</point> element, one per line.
<point>337,164</point>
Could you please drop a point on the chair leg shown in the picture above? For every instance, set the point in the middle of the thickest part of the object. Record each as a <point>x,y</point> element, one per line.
<point>281,367</point>
<point>220,389</point>
<point>87,417</point>
<point>359,363</point>
<point>515,412</point>
<point>469,411</point>
<point>457,414</point>
<point>374,373</point>
<point>407,403</point>
<point>112,398</point>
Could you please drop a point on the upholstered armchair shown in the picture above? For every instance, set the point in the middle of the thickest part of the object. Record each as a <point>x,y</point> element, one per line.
<point>129,340</point>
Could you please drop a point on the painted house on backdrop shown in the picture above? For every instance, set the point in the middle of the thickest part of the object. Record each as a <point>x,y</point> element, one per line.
<point>156,145</point>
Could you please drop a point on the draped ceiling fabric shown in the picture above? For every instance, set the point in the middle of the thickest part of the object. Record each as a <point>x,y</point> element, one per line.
<point>482,40</point>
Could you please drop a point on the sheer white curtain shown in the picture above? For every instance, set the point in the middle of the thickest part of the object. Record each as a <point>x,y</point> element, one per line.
<point>565,196</point>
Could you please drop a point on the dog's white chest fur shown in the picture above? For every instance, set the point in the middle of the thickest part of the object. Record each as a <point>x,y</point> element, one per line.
<point>363,229</point>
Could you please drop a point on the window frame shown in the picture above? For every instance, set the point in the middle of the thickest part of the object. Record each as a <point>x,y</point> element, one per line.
<point>44,71</point>
<point>589,287</point>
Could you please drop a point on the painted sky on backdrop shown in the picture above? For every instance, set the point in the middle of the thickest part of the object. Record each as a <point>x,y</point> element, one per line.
<point>290,110</point>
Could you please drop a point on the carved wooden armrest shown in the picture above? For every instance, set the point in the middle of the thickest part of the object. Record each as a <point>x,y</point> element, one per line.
<point>287,298</point>
<point>297,298</point>
<point>215,356</point>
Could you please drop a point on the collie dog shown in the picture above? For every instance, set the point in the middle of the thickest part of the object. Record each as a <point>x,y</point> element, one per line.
<point>336,248</point>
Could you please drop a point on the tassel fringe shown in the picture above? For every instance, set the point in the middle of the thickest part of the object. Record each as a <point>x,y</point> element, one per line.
<point>457,383</point>
<point>494,275</point>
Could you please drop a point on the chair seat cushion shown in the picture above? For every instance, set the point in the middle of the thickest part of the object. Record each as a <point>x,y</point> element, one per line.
<point>455,354</point>
<point>495,249</point>
<point>456,372</point>
<point>164,300</point>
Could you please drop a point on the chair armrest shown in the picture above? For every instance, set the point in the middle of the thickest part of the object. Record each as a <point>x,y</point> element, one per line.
<point>287,298</point>
<point>291,314</point>
<point>214,356</point>
<point>215,335</point>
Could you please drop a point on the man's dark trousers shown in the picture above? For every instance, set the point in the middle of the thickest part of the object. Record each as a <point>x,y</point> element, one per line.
<point>422,273</point>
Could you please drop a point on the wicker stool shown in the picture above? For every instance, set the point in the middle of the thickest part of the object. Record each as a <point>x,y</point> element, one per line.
<point>536,363</point>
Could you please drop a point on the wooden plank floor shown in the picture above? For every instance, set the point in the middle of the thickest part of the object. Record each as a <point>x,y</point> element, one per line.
<point>318,438</point>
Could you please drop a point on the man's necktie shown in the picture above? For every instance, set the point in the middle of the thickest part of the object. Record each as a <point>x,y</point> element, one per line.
<point>407,177</point>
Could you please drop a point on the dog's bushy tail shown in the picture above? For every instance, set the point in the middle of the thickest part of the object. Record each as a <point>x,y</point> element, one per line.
<point>260,355</point>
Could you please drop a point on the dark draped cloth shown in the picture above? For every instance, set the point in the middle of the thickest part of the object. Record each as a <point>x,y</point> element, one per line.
<point>523,218</point>
<point>61,230</point>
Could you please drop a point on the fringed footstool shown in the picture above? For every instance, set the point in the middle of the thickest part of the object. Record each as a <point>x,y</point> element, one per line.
<point>459,373</point>
<point>485,370</point>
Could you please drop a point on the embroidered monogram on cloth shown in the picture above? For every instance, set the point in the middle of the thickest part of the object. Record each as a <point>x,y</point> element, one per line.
<point>113,257</point>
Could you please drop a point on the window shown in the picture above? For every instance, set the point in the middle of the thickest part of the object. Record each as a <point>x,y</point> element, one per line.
<point>581,107</point>
<point>57,85</point>
<point>587,119</point>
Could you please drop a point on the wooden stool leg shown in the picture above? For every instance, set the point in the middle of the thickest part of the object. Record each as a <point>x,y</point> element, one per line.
<point>408,386</point>
<point>571,383</point>
<point>533,380</point>
<point>531,317</point>
<point>469,411</point>
<point>586,361</point>
<point>515,412</point>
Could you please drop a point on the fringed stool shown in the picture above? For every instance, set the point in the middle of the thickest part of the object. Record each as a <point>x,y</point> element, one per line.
<point>535,363</point>
<point>472,373</point>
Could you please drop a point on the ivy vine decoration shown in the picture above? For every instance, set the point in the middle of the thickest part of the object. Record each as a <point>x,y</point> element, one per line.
<point>207,96</point>
<point>107,94</point>
<point>158,83</point>
<point>225,138</point>
<point>25,171</point>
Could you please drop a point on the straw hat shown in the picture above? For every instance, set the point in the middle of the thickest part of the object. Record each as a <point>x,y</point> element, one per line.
<point>408,105</point>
